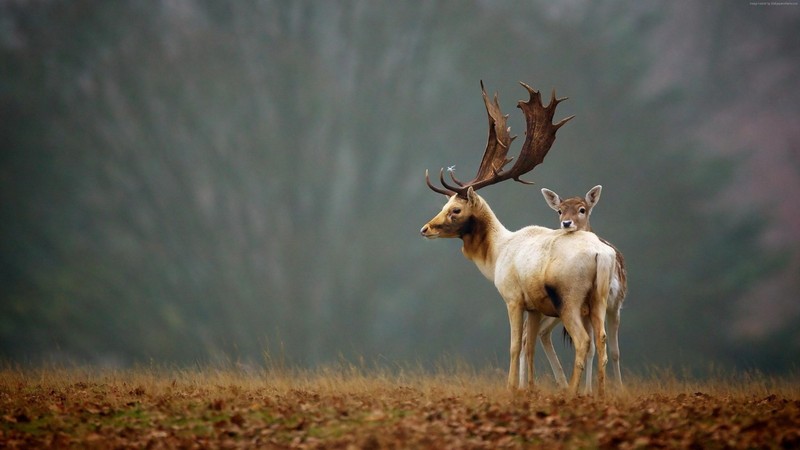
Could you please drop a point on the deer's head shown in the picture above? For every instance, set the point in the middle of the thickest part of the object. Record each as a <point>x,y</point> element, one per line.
<point>573,213</point>
<point>454,219</point>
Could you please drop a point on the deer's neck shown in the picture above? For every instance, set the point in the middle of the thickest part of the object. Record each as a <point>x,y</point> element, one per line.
<point>482,236</point>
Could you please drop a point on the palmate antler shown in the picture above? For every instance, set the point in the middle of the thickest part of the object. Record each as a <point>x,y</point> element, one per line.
<point>539,136</point>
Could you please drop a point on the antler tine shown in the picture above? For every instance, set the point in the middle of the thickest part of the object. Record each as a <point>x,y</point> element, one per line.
<point>436,189</point>
<point>554,101</point>
<point>456,180</point>
<point>459,190</point>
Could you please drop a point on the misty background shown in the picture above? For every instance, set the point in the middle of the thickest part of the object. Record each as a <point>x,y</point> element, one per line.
<point>193,181</point>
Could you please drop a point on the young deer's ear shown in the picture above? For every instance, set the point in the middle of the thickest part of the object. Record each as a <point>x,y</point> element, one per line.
<point>552,199</point>
<point>593,196</point>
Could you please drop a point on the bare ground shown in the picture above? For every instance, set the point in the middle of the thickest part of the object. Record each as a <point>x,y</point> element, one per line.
<point>353,408</point>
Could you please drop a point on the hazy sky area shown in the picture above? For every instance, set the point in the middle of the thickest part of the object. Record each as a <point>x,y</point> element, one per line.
<point>188,182</point>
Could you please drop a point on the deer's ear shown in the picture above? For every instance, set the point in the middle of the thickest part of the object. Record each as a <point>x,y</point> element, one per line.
<point>472,197</point>
<point>552,199</point>
<point>593,196</point>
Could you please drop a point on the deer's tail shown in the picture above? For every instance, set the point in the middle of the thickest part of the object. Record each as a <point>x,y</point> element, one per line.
<point>603,275</point>
<point>605,266</point>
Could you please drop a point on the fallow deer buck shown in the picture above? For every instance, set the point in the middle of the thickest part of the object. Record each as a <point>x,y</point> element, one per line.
<point>574,214</point>
<point>542,271</point>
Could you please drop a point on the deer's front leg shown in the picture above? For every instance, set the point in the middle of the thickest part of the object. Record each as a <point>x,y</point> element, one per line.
<point>573,322</point>
<point>598,324</point>
<point>515,319</point>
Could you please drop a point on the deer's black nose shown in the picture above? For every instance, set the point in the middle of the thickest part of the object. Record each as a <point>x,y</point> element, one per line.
<point>566,224</point>
<point>423,230</point>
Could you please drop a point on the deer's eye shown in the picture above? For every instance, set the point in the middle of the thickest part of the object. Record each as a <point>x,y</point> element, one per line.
<point>582,210</point>
<point>456,211</point>
<point>559,212</point>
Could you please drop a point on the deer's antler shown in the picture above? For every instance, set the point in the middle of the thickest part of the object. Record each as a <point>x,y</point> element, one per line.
<point>539,136</point>
<point>494,157</point>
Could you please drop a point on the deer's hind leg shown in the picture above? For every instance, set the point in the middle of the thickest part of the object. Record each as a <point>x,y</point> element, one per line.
<point>574,324</point>
<point>587,325</point>
<point>598,317</point>
<point>612,319</point>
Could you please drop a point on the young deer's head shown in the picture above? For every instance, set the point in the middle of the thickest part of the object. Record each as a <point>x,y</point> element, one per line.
<point>573,213</point>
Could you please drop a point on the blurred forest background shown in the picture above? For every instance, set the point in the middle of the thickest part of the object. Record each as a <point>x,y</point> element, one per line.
<point>193,181</point>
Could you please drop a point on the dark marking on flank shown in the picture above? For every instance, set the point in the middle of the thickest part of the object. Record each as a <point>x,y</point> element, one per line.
<point>555,299</point>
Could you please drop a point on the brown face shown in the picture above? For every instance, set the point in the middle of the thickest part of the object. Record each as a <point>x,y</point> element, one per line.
<point>451,221</point>
<point>573,214</point>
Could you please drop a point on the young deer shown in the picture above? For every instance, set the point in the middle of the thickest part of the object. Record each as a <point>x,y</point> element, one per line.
<point>574,215</point>
<point>545,272</point>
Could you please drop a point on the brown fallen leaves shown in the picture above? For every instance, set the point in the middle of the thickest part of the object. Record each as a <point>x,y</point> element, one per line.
<point>63,409</point>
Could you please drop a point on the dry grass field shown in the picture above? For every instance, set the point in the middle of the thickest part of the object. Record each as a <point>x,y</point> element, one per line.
<point>348,407</point>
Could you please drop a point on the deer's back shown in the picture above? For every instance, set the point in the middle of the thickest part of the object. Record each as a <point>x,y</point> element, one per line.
<point>538,259</point>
